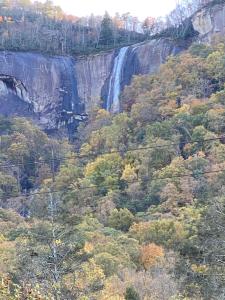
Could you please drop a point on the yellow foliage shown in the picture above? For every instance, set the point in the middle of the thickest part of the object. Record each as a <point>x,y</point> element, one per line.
<point>58,242</point>
<point>114,289</point>
<point>184,109</point>
<point>2,238</point>
<point>164,232</point>
<point>88,247</point>
<point>90,276</point>
<point>129,173</point>
<point>7,257</point>
<point>112,161</point>
<point>102,113</point>
<point>85,149</point>
<point>201,269</point>
<point>47,181</point>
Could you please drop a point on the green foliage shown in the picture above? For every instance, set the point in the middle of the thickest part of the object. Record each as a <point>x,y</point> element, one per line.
<point>8,185</point>
<point>200,50</point>
<point>131,294</point>
<point>168,233</point>
<point>106,34</point>
<point>105,171</point>
<point>24,144</point>
<point>121,219</point>
<point>109,263</point>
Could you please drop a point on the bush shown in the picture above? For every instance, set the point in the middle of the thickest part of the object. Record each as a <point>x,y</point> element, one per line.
<point>121,219</point>
<point>131,294</point>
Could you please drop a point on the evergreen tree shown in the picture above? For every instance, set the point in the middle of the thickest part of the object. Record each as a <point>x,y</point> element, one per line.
<point>131,294</point>
<point>106,34</point>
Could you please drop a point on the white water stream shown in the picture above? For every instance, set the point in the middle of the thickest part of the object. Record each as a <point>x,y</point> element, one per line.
<point>113,103</point>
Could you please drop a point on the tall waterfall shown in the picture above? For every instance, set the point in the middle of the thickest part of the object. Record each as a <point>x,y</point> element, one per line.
<point>113,103</point>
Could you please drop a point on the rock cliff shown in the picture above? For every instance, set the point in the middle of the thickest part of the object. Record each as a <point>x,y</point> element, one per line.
<point>209,21</point>
<point>50,85</point>
<point>63,84</point>
<point>53,90</point>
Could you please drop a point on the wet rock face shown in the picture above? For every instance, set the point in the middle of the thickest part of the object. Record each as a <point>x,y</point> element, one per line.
<point>146,58</point>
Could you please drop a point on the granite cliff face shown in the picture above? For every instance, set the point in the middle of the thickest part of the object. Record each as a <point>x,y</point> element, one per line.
<point>54,90</point>
<point>50,85</point>
<point>57,88</point>
<point>209,21</point>
<point>92,73</point>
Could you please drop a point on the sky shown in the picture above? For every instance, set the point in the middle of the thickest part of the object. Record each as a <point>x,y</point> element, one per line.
<point>139,8</point>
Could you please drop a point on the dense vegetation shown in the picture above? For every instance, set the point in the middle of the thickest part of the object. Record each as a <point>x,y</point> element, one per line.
<point>27,25</point>
<point>138,212</point>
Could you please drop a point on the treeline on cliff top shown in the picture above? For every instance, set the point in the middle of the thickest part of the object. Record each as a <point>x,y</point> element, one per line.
<point>44,27</point>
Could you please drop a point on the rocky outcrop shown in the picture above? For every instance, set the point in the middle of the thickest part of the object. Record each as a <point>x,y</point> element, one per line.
<point>209,21</point>
<point>14,98</point>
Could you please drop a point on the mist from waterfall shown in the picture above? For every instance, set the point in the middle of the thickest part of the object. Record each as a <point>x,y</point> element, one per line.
<point>113,103</point>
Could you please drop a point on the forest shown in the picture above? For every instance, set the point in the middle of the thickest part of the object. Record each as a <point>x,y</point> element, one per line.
<point>136,210</point>
<point>35,26</point>
<point>44,27</point>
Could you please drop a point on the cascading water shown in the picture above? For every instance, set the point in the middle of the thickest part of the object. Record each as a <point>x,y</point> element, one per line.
<point>113,103</point>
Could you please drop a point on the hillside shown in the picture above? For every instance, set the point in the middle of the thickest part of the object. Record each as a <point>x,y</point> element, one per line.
<point>141,202</point>
<point>131,208</point>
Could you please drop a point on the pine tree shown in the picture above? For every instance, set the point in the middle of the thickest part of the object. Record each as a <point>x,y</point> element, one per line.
<point>131,294</point>
<point>106,34</point>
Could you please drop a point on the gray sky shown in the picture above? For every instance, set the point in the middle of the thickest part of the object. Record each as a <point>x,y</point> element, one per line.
<point>139,8</point>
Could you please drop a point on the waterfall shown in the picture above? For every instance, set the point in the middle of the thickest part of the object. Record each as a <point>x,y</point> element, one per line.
<point>113,103</point>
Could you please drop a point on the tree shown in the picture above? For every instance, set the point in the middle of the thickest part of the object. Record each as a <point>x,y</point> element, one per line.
<point>167,232</point>
<point>151,255</point>
<point>206,268</point>
<point>89,278</point>
<point>131,294</point>
<point>105,172</point>
<point>121,219</point>
<point>149,25</point>
<point>106,34</point>
<point>48,248</point>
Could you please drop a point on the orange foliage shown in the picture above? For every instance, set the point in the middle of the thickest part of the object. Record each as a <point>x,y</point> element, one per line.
<point>151,254</point>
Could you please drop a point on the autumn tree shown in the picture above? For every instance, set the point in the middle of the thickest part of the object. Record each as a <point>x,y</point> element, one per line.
<point>151,255</point>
